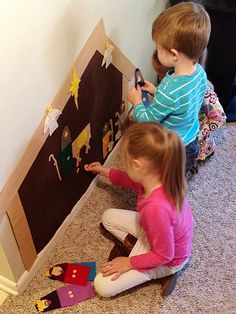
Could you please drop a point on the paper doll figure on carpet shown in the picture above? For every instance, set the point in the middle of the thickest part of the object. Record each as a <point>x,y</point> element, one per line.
<point>70,273</point>
<point>67,295</point>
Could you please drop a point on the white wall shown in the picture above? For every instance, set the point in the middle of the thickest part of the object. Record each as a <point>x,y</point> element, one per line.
<point>41,39</point>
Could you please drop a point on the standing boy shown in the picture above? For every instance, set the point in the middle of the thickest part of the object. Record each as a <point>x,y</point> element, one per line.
<point>181,34</point>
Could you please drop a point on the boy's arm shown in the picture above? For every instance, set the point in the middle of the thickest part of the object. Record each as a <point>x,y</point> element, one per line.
<point>161,106</point>
<point>135,93</point>
<point>149,87</point>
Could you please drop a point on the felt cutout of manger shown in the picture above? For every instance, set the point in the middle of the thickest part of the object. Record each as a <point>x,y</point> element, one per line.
<point>64,162</point>
<point>50,178</point>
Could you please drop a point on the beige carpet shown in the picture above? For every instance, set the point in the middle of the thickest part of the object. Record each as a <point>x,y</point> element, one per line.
<point>208,285</point>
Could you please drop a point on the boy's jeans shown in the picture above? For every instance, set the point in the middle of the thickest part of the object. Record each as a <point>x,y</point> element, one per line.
<point>192,150</point>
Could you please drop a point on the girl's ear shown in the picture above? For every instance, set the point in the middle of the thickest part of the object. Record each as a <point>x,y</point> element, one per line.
<point>138,164</point>
<point>175,54</point>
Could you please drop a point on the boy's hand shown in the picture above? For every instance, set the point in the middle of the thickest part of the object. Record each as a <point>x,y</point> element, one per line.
<point>149,87</point>
<point>96,167</point>
<point>135,95</point>
<point>117,266</point>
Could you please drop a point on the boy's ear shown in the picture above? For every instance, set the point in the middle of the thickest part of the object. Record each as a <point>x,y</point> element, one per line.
<point>175,54</point>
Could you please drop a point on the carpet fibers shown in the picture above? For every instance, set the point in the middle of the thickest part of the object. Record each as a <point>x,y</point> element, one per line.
<point>208,285</point>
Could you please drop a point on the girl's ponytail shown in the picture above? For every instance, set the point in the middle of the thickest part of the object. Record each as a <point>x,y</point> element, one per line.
<point>166,153</point>
<point>172,171</point>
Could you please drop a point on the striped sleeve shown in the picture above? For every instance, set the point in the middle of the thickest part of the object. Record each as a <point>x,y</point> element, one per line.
<point>161,106</point>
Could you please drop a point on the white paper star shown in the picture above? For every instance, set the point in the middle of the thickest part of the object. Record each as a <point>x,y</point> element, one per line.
<point>108,55</point>
<point>51,120</point>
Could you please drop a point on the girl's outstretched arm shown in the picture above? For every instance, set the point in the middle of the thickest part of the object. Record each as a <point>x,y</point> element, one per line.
<point>96,167</point>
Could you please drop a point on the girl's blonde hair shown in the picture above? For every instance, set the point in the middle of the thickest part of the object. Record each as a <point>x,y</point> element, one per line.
<point>185,27</point>
<point>165,152</point>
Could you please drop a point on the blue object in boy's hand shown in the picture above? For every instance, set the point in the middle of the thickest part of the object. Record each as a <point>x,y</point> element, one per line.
<point>145,98</point>
<point>140,81</point>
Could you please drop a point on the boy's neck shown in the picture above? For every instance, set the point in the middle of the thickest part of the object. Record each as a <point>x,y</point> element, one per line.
<point>184,69</point>
<point>184,66</point>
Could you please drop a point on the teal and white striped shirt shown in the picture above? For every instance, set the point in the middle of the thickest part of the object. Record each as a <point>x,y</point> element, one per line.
<point>176,104</point>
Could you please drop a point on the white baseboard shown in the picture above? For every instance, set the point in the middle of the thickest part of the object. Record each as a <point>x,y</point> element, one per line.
<point>8,286</point>
<point>3,296</point>
<point>28,275</point>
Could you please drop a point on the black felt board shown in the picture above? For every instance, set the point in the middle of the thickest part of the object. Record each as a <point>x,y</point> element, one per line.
<point>47,200</point>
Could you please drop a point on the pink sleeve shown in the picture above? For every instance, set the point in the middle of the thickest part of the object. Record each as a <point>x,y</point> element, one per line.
<point>159,231</point>
<point>122,179</point>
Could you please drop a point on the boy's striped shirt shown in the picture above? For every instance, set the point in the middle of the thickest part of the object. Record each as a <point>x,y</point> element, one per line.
<point>176,104</point>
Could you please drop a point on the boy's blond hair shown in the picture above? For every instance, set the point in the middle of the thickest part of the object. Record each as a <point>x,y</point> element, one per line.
<point>185,27</point>
<point>164,151</point>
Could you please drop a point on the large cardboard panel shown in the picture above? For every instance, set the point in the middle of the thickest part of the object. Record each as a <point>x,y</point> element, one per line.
<point>22,232</point>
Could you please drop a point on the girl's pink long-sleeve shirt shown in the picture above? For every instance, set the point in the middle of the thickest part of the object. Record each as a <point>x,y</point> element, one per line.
<point>169,233</point>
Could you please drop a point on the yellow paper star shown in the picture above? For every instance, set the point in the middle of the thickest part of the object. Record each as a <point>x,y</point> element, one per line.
<point>48,108</point>
<point>74,86</point>
<point>107,44</point>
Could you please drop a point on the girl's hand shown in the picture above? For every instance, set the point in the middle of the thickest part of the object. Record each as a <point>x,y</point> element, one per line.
<point>135,95</point>
<point>149,87</point>
<point>117,266</point>
<point>96,167</point>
